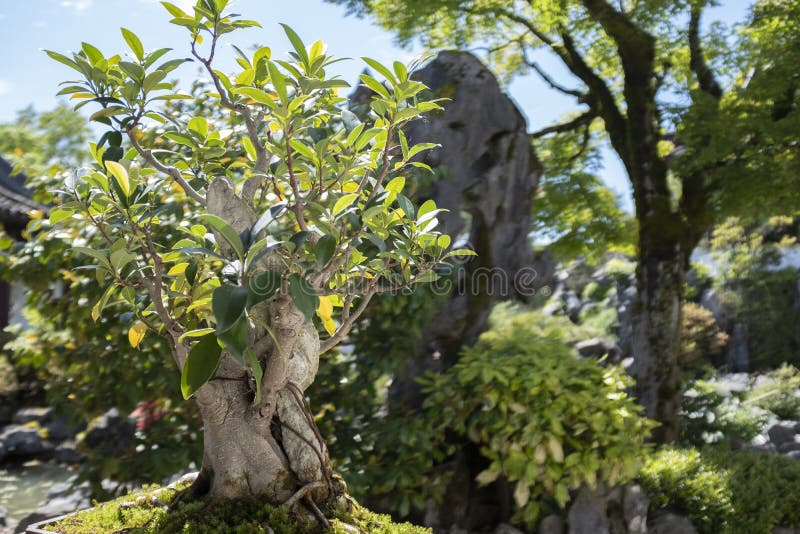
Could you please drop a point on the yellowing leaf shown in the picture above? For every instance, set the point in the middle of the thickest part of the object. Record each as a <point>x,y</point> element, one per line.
<point>555,450</point>
<point>136,333</point>
<point>96,311</point>
<point>119,172</point>
<point>486,477</point>
<point>522,493</point>
<point>325,311</point>
<point>350,187</point>
<point>178,268</point>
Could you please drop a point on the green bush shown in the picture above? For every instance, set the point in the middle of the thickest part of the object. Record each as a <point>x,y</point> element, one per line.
<point>725,492</point>
<point>708,416</point>
<point>547,421</point>
<point>780,394</point>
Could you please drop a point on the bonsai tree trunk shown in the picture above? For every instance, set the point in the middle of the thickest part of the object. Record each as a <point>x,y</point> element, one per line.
<point>272,449</point>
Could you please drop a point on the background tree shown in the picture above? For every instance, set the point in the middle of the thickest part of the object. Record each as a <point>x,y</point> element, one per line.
<point>631,60</point>
<point>312,220</point>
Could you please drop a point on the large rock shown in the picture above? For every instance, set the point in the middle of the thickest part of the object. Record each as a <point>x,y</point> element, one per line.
<point>38,414</point>
<point>552,524</point>
<point>635,506</point>
<point>112,433</point>
<point>666,522</point>
<point>781,434</point>
<point>24,442</point>
<point>598,347</point>
<point>587,514</point>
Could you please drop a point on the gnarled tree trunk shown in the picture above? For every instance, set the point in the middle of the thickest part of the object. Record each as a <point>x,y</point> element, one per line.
<point>273,449</point>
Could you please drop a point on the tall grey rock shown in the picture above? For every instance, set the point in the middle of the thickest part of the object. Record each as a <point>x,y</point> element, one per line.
<point>486,177</point>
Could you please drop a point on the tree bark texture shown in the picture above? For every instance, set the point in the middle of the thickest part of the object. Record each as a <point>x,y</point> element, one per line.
<point>271,450</point>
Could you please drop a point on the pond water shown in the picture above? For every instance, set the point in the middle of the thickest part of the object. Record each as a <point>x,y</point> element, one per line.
<point>24,487</point>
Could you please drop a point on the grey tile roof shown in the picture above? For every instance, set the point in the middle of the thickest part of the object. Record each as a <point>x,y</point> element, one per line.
<point>15,201</point>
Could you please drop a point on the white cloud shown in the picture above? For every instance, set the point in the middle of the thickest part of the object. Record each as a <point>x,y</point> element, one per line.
<point>185,5</point>
<point>5,87</point>
<point>80,6</point>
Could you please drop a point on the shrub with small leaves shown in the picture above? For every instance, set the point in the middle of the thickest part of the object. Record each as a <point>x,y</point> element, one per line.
<point>547,421</point>
<point>709,416</point>
<point>780,393</point>
<point>725,492</point>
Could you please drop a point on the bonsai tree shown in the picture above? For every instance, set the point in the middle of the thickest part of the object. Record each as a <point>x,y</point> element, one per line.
<point>293,219</point>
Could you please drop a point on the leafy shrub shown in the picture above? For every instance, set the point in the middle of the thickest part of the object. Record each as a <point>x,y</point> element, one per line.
<point>725,492</point>
<point>708,416</point>
<point>780,393</point>
<point>547,421</point>
<point>703,342</point>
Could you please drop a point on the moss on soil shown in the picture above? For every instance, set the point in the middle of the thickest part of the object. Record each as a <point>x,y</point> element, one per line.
<point>145,512</point>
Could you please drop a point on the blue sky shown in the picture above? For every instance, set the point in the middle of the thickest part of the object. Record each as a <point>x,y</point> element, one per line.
<point>27,76</point>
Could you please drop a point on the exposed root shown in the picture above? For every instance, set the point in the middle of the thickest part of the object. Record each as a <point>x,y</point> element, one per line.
<point>198,489</point>
<point>317,513</point>
<point>302,492</point>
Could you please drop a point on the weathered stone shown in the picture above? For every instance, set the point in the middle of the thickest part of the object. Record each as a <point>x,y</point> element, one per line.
<point>587,515</point>
<point>39,414</point>
<point>666,522</point>
<point>738,357</point>
<point>66,454</point>
<point>24,442</point>
<point>505,528</point>
<point>781,434</point>
<point>59,429</point>
<point>598,347</point>
<point>552,524</point>
<point>111,433</point>
<point>635,506</point>
<point>711,300</point>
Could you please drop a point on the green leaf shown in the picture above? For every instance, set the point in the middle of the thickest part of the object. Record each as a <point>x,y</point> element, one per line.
<point>427,207</point>
<point>297,44</point>
<point>375,85</point>
<point>121,175</point>
<point>200,365</point>
<point>228,303</point>
<point>396,185</point>
<point>406,205</point>
<point>174,10</point>
<point>263,286</point>
<point>133,42</point>
<point>199,125</point>
<point>303,296</point>
<point>190,273</point>
<point>64,60</point>
<point>226,231</point>
<point>386,73</point>
<point>326,247</point>
<point>92,53</point>
<point>236,340</point>
<point>258,374</point>
<point>343,203</point>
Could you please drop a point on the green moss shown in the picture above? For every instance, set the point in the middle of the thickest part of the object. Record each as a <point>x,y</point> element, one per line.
<point>145,513</point>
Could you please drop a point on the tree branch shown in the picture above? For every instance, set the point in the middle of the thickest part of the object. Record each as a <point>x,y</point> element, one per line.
<point>346,325</point>
<point>584,119</point>
<point>169,170</point>
<point>697,62</point>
